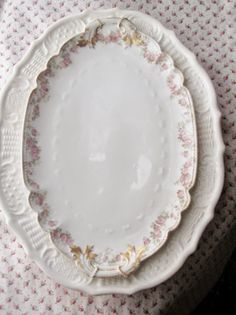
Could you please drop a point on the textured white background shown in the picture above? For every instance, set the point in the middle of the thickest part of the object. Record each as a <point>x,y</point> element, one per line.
<point>207,28</point>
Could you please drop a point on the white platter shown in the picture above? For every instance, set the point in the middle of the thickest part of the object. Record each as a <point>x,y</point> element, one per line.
<point>109,146</point>
<point>38,243</point>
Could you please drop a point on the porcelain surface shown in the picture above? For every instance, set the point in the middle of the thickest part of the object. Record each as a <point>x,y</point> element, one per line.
<point>110,148</point>
<point>47,255</point>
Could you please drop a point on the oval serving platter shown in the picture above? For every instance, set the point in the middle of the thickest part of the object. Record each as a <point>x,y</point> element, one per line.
<point>108,145</point>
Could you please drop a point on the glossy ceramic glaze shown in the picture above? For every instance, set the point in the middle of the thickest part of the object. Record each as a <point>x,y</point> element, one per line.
<point>110,147</point>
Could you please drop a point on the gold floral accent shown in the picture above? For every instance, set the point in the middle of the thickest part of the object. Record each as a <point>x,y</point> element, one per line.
<point>133,39</point>
<point>87,258</point>
<point>132,254</point>
<point>82,42</point>
<point>87,253</point>
<point>132,250</point>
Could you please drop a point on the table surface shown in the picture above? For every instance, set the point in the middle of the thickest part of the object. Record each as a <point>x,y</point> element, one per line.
<point>207,28</point>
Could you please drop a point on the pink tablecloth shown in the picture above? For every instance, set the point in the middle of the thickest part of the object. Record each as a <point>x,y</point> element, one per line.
<point>205,27</point>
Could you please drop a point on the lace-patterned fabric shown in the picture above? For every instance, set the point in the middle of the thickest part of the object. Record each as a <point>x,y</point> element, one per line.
<point>206,28</point>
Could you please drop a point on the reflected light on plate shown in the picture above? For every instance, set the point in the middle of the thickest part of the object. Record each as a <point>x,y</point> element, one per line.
<point>143,170</point>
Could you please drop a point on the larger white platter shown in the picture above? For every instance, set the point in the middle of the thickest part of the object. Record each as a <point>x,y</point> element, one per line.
<point>24,219</point>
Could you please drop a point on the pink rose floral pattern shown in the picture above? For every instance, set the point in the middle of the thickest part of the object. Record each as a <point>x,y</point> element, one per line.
<point>38,199</point>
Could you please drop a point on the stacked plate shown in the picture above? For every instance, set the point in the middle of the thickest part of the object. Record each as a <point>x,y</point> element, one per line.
<point>109,131</point>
